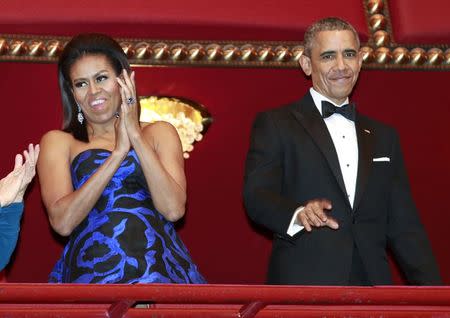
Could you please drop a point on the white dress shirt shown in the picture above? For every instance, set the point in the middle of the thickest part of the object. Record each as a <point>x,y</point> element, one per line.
<point>343,134</point>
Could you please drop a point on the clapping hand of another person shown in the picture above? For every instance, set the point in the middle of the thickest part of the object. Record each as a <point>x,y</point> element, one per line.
<point>14,185</point>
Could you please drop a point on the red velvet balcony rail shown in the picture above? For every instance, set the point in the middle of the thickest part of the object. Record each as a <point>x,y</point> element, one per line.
<point>154,300</point>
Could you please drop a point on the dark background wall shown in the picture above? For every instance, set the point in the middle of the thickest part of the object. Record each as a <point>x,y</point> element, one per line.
<point>226,245</point>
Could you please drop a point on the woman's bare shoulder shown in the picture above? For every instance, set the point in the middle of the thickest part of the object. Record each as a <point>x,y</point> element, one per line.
<point>163,136</point>
<point>159,128</point>
<point>56,138</point>
<point>57,135</point>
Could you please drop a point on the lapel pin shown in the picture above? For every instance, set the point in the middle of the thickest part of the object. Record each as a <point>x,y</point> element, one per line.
<point>367,131</point>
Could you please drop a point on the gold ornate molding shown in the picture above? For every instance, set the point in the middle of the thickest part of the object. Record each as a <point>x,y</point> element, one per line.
<point>380,52</point>
<point>378,23</point>
<point>383,52</point>
<point>46,49</point>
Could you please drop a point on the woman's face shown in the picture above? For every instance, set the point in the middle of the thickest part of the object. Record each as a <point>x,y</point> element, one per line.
<point>95,88</point>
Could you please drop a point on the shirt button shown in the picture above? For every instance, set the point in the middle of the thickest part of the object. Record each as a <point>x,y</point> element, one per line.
<point>348,165</point>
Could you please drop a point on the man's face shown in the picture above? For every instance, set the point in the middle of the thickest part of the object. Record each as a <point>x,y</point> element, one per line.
<point>334,64</point>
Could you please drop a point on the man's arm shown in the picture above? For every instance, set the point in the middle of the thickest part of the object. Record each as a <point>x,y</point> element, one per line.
<point>406,234</point>
<point>263,195</point>
<point>263,178</point>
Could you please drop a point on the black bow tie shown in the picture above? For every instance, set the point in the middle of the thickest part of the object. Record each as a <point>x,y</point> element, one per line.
<point>347,110</point>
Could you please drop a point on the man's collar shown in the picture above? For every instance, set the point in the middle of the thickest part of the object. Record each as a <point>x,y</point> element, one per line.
<point>318,98</point>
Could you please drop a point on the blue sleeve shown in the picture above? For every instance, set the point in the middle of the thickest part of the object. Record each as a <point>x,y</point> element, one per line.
<point>9,230</point>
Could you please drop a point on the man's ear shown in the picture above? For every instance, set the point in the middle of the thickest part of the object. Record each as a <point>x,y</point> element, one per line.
<point>305,64</point>
<point>360,58</point>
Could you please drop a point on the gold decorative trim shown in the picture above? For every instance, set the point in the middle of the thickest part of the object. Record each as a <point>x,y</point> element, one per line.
<point>378,23</point>
<point>146,52</point>
<point>380,52</point>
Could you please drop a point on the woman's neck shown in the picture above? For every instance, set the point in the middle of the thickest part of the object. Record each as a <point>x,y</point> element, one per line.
<point>101,131</point>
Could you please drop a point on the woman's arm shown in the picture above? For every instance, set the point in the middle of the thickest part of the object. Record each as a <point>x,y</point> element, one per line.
<point>160,153</point>
<point>9,231</point>
<point>67,208</point>
<point>159,150</point>
<point>12,189</point>
<point>14,185</point>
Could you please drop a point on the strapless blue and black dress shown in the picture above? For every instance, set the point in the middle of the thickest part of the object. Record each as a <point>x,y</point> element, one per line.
<point>124,239</point>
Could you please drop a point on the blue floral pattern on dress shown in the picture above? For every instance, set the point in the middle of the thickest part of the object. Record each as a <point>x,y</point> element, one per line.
<point>124,239</point>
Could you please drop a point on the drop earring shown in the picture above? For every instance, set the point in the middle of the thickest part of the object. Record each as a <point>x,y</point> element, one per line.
<point>80,115</point>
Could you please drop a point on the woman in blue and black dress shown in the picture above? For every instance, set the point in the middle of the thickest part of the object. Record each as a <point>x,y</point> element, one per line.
<point>114,187</point>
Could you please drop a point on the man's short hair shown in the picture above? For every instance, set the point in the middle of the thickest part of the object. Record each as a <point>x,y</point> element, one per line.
<point>326,24</point>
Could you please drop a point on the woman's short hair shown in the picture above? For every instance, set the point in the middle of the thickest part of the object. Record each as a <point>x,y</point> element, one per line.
<point>79,46</point>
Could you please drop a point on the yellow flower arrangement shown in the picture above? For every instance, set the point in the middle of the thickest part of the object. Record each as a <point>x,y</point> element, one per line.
<point>190,119</point>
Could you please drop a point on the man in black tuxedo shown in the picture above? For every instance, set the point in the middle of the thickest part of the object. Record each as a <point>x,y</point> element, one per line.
<point>330,183</point>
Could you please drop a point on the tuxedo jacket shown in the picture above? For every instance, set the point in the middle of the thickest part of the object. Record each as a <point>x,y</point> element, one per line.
<point>292,159</point>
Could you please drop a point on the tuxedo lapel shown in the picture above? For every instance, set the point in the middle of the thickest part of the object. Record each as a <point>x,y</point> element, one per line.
<point>365,154</point>
<point>309,117</point>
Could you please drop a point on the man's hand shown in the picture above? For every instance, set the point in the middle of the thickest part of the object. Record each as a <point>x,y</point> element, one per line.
<point>314,215</point>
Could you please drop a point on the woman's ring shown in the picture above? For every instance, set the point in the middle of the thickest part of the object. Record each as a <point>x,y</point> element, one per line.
<point>131,100</point>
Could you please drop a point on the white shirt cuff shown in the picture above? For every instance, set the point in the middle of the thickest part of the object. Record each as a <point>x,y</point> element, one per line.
<point>294,226</point>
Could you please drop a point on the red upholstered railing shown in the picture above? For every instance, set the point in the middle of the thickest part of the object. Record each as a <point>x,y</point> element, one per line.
<point>70,300</point>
